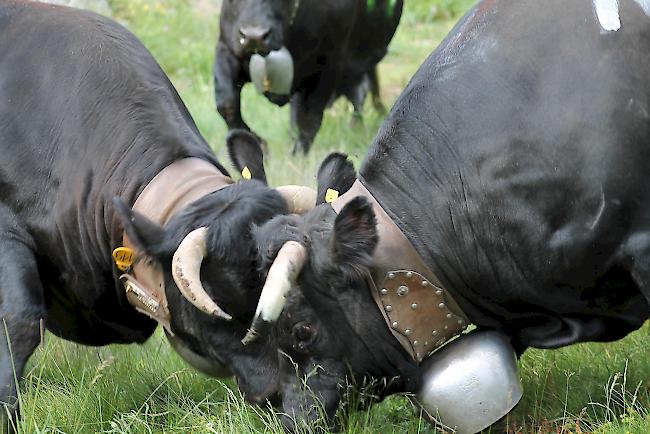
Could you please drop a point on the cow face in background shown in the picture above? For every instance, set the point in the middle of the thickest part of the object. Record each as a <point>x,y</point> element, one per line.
<point>255,26</point>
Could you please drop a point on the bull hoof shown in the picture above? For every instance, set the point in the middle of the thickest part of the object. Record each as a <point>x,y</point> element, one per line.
<point>380,107</point>
<point>357,120</point>
<point>300,145</point>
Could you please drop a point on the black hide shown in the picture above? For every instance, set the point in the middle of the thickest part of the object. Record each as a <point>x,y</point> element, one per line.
<point>86,115</point>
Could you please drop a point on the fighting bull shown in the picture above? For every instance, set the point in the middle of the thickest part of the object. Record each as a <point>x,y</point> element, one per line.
<point>306,51</point>
<point>507,189</point>
<point>115,215</point>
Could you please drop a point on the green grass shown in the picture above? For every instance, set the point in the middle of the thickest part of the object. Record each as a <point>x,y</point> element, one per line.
<point>148,389</point>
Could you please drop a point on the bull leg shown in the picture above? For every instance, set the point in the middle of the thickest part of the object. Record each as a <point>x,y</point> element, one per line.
<point>373,79</point>
<point>21,309</point>
<point>227,88</point>
<point>307,109</point>
<point>357,96</point>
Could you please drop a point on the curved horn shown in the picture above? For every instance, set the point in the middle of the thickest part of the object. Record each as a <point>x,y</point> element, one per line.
<point>186,270</point>
<point>282,275</point>
<point>299,198</point>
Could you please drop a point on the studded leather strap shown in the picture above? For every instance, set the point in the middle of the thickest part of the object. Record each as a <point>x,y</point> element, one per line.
<point>420,313</point>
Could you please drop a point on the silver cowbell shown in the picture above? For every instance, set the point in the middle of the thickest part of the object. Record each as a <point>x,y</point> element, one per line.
<point>471,383</point>
<point>273,73</point>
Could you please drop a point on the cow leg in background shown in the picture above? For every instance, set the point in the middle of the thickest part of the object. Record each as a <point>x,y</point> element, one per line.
<point>21,309</point>
<point>373,79</point>
<point>357,96</point>
<point>307,106</point>
<point>227,88</point>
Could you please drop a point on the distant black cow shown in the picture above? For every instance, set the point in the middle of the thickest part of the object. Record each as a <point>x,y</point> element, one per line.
<point>335,46</point>
<point>517,164</point>
<point>86,116</point>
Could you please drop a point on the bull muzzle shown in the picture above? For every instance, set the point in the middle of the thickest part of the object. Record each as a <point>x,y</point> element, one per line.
<point>255,39</point>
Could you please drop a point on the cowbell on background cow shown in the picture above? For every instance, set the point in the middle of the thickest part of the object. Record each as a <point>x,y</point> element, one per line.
<point>508,189</point>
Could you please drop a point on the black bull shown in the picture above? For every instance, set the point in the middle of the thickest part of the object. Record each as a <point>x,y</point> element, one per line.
<point>517,162</point>
<point>86,115</point>
<point>335,44</point>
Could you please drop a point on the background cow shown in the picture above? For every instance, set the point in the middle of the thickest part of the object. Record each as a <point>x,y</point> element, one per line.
<point>516,163</point>
<point>86,116</point>
<point>335,45</point>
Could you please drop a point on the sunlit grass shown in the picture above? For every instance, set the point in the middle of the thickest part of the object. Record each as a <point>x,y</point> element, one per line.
<point>149,389</point>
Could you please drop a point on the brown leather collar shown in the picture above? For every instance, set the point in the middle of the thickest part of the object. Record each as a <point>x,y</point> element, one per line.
<point>419,312</point>
<point>176,186</point>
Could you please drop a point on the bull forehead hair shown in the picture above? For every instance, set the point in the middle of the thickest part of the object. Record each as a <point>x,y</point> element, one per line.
<point>312,230</point>
<point>230,214</point>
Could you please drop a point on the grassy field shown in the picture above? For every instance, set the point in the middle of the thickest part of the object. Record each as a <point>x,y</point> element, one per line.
<point>148,389</point>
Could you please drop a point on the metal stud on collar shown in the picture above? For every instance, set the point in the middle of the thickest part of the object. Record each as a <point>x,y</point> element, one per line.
<point>413,305</point>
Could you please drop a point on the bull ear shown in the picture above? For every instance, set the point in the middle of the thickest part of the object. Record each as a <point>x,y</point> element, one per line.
<point>355,235</point>
<point>145,234</point>
<point>245,152</point>
<point>336,174</point>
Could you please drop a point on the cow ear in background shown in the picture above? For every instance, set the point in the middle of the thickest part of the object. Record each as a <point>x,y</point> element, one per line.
<point>355,236</point>
<point>336,175</point>
<point>245,152</point>
<point>145,234</point>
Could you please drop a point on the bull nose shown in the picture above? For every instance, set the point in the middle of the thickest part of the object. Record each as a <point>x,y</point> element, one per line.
<point>254,38</point>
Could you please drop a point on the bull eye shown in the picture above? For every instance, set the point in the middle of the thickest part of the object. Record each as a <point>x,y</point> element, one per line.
<point>303,335</point>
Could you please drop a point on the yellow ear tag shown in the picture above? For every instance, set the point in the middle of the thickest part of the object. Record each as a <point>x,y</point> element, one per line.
<point>124,258</point>
<point>246,173</point>
<point>331,195</point>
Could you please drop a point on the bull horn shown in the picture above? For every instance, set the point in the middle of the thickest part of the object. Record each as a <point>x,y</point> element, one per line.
<point>186,270</point>
<point>299,198</point>
<point>282,275</point>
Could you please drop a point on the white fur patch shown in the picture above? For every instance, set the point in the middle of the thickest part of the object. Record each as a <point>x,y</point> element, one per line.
<point>607,14</point>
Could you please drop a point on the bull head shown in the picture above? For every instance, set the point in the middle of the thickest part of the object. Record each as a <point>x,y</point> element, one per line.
<point>337,174</point>
<point>317,304</point>
<point>256,26</point>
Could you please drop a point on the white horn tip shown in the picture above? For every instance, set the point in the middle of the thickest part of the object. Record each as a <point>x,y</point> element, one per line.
<point>223,315</point>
